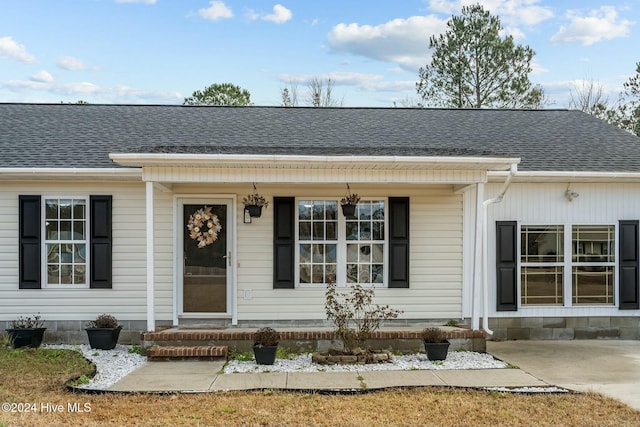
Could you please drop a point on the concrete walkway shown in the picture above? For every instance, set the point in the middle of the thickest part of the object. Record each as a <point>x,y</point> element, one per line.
<point>196,376</point>
<point>608,367</point>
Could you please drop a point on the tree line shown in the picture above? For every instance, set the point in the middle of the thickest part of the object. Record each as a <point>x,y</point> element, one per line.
<point>471,66</point>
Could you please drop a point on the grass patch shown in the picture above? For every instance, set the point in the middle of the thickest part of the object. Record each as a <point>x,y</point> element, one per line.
<point>39,376</point>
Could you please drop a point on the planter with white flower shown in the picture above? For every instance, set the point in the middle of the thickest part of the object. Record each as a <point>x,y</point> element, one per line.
<point>26,332</point>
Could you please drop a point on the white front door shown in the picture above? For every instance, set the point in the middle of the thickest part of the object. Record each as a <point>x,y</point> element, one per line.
<point>204,245</point>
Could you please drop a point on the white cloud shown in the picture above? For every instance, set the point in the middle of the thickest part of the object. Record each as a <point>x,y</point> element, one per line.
<point>137,1</point>
<point>11,49</point>
<point>369,82</point>
<point>42,77</point>
<point>403,41</point>
<point>599,24</point>
<point>512,13</point>
<point>217,10</point>
<point>280,15</point>
<point>73,64</point>
<point>45,91</point>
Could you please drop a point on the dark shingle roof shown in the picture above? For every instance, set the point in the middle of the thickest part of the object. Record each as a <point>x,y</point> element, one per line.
<point>69,135</point>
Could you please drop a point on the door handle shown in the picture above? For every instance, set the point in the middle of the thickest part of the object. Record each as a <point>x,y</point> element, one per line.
<point>228,258</point>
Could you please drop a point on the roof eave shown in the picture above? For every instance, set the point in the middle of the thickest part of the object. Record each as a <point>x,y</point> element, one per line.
<point>109,174</point>
<point>566,176</point>
<point>304,161</point>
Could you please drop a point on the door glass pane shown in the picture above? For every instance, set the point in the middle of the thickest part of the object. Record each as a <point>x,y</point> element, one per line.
<point>204,257</point>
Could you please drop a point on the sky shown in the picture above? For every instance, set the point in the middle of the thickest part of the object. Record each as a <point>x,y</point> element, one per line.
<point>161,51</point>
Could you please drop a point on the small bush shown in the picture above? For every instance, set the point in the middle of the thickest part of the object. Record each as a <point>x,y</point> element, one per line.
<point>434,335</point>
<point>27,322</point>
<point>266,337</point>
<point>103,321</point>
<point>354,315</point>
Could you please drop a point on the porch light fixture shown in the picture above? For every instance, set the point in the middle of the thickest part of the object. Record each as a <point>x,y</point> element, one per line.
<point>569,194</point>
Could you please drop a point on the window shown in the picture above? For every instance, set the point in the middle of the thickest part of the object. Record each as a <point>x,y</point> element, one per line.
<point>554,264</point>
<point>593,264</point>
<point>65,241</point>
<point>348,250</point>
<point>542,258</point>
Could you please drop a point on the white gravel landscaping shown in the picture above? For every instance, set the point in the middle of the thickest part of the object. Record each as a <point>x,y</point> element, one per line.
<point>112,365</point>
<point>455,360</point>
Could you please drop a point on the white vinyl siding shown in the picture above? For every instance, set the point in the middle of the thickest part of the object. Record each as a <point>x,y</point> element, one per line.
<point>435,289</point>
<point>545,203</point>
<point>127,299</point>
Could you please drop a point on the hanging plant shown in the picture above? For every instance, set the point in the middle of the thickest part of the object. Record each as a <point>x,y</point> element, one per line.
<point>349,202</point>
<point>204,226</point>
<point>254,203</point>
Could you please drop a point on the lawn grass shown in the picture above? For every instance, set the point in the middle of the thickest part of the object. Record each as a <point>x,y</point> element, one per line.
<point>38,376</point>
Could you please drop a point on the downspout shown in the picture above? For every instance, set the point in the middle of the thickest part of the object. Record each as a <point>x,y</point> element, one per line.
<point>485,240</point>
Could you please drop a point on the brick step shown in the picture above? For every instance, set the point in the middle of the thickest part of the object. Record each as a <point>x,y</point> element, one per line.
<point>186,336</point>
<point>196,352</point>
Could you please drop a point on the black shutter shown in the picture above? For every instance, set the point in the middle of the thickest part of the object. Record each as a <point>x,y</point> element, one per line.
<point>30,236</point>
<point>100,241</point>
<point>506,265</point>
<point>398,242</point>
<point>628,266</point>
<point>283,242</point>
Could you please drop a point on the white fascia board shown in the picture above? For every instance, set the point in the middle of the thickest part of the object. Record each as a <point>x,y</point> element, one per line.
<point>111,174</point>
<point>232,160</point>
<point>565,176</point>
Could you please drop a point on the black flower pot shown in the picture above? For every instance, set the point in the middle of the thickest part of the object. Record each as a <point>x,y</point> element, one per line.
<point>265,354</point>
<point>26,337</point>
<point>255,211</point>
<point>103,338</point>
<point>436,350</point>
<point>349,210</point>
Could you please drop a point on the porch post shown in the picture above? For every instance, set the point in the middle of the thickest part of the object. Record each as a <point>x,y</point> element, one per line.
<point>151,321</point>
<point>478,257</point>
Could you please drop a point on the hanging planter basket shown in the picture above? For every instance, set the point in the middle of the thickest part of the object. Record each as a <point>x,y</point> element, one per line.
<point>349,210</point>
<point>254,202</point>
<point>349,203</point>
<point>255,211</point>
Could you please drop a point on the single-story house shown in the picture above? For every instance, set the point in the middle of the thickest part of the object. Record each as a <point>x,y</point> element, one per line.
<point>523,223</point>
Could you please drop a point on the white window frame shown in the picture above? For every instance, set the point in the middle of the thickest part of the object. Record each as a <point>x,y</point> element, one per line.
<point>45,241</point>
<point>567,265</point>
<point>341,249</point>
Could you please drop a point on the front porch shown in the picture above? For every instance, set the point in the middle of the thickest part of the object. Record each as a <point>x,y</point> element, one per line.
<point>210,342</point>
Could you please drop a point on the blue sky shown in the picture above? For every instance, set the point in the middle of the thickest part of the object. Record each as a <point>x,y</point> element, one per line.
<point>160,51</point>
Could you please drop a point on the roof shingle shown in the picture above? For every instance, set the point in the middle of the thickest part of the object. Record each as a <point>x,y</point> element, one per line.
<point>70,135</point>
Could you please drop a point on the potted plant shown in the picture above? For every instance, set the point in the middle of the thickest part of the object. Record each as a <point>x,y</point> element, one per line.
<point>435,343</point>
<point>348,204</point>
<point>103,332</point>
<point>265,345</point>
<point>26,332</point>
<point>254,203</point>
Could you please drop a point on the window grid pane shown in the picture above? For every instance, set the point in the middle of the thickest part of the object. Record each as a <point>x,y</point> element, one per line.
<point>541,256</point>
<point>365,255</point>
<point>317,235</point>
<point>593,243</point>
<point>65,241</point>
<point>592,285</point>
<point>542,286</point>
<point>542,243</point>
